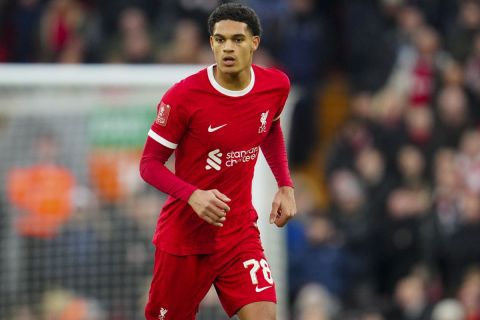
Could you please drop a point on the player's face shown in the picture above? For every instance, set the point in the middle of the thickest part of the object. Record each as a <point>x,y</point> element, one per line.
<point>233,46</point>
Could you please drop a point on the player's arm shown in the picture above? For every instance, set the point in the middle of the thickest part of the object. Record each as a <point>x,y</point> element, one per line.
<point>155,173</point>
<point>275,152</point>
<point>208,204</point>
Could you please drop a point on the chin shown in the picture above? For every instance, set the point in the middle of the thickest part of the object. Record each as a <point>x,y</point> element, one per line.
<point>229,70</point>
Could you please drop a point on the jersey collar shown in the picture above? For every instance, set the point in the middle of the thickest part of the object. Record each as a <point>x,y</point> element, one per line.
<point>227,92</point>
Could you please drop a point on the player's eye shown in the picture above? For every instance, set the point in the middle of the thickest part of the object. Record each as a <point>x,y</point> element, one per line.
<point>238,40</point>
<point>220,40</point>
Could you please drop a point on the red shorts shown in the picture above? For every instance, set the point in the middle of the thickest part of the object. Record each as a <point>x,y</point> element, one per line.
<point>240,274</point>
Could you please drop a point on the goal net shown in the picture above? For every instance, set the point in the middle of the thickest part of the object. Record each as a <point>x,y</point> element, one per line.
<point>76,220</point>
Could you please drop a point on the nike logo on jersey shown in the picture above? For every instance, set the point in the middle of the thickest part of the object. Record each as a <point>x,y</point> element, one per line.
<point>257,289</point>
<point>210,129</point>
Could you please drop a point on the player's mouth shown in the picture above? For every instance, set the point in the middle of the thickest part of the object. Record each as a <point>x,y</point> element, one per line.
<point>228,61</point>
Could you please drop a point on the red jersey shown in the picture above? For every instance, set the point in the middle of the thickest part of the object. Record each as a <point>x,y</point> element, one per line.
<point>216,134</point>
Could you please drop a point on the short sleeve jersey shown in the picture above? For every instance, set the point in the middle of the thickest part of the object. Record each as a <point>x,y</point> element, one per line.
<point>216,134</point>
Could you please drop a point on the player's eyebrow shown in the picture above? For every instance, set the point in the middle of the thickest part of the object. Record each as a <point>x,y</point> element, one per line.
<point>236,35</point>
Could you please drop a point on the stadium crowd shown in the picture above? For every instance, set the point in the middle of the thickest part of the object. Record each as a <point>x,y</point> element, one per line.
<point>396,233</point>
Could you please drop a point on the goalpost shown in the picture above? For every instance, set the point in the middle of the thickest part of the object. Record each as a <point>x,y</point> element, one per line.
<point>98,118</point>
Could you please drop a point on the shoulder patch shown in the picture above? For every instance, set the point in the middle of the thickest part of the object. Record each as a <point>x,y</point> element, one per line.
<point>162,115</point>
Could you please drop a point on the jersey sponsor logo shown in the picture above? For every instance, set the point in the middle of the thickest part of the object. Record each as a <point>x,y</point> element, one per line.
<point>257,289</point>
<point>162,115</point>
<point>214,160</point>
<point>213,129</point>
<point>263,122</point>
<point>243,156</point>
<point>163,313</point>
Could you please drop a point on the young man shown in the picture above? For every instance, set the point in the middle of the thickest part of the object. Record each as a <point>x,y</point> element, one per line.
<point>216,121</point>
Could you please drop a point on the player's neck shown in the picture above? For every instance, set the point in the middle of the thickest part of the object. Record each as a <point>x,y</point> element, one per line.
<point>233,81</point>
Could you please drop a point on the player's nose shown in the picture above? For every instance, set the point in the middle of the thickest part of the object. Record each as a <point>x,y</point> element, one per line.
<point>228,46</point>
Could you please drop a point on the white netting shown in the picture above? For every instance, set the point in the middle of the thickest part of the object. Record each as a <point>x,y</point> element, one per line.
<point>75,219</point>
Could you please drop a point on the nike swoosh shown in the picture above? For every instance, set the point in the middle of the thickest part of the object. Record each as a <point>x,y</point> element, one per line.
<point>210,129</point>
<point>257,289</point>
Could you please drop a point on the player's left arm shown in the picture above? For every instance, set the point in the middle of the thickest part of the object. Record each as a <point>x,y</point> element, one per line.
<point>275,152</point>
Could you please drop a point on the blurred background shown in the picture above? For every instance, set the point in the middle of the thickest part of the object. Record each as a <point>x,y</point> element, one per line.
<point>383,145</point>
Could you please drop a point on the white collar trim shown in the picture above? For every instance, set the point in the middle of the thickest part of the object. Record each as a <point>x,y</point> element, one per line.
<point>227,92</point>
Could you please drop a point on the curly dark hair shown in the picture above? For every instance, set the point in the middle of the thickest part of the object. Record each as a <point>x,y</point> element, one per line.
<point>236,12</point>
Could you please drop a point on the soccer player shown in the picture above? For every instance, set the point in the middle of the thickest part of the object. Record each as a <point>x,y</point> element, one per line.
<point>217,120</point>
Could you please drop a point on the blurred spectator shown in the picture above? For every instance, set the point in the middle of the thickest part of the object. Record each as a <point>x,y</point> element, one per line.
<point>409,19</point>
<point>62,25</point>
<point>354,136</point>
<point>113,173</point>
<point>448,309</point>
<point>472,74</point>
<point>76,250</point>
<point>303,46</point>
<point>440,14</point>
<point>411,300</point>
<point>307,203</point>
<point>110,11</point>
<point>446,207</point>
<point>453,117</point>
<point>468,161</point>
<point>315,303</point>
<point>20,35</point>
<point>64,305</point>
<point>42,191</point>
<point>460,36</point>
<point>361,105</point>
<point>323,260</point>
<point>469,293</point>
<point>42,195</point>
<point>369,44</point>
<point>388,110</point>
<point>453,75</point>
<point>133,42</point>
<point>419,128</point>
<point>270,12</point>
<point>416,68</point>
<point>303,132</point>
<point>371,167</point>
<point>105,252</point>
<point>399,238</point>
<point>411,168</point>
<point>196,9</point>
<point>462,250</point>
<point>187,45</point>
<point>350,211</point>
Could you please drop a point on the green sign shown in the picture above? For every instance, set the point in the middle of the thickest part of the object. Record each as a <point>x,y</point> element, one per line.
<point>125,128</point>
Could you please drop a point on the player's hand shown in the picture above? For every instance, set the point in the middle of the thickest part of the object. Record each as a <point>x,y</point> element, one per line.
<point>210,205</point>
<point>283,206</point>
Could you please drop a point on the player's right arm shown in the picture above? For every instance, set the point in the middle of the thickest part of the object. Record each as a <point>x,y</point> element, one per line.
<point>209,205</point>
<point>168,128</point>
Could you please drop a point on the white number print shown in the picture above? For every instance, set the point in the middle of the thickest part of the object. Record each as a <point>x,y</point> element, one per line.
<point>255,265</point>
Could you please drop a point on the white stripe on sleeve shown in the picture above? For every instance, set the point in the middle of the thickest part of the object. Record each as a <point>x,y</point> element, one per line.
<point>161,140</point>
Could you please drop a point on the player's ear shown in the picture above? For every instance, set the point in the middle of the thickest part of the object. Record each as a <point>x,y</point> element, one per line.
<point>255,42</point>
<point>211,42</point>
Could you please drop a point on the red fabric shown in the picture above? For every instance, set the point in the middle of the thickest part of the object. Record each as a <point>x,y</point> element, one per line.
<point>422,78</point>
<point>60,32</point>
<point>153,171</point>
<point>217,136</point>
<point>240,273</point>
<point>273,148</point>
